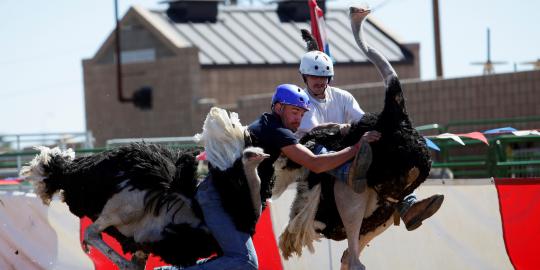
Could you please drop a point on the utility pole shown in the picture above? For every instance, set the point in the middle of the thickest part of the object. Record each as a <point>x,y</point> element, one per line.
<point>121,97</point>
<point>437,35</point>
<point>142,98</point>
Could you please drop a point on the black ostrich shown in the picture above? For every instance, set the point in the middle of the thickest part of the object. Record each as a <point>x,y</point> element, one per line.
<point>142,195</point>
<point>400,163</point>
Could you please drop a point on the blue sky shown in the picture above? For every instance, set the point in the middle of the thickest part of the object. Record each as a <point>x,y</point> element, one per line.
<point>43,43</point>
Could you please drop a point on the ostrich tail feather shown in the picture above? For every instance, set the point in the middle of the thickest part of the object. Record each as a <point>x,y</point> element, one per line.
<point>222,137</point>
<point>302,228</point>
<point>311,44</point>
<point>46,163</point>
<point>285,176</point>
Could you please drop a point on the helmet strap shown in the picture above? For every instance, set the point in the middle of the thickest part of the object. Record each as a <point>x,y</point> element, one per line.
<point>281,108</point>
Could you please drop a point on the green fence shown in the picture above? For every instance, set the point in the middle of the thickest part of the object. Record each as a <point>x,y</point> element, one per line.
<point>11,162</point>
<point>507,155</point>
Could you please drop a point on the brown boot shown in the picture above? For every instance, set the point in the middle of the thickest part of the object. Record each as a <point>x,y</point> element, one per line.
<point>359,167</point>
<point>422,210</point>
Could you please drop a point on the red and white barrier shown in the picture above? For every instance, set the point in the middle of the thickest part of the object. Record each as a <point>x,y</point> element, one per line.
<point>36,237</point>
<point>483,224</point>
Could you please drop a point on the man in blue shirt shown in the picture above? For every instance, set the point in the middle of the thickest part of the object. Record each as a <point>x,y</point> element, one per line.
<point>274,133</point>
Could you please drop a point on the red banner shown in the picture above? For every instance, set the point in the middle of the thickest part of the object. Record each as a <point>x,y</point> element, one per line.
<point>519,201</point>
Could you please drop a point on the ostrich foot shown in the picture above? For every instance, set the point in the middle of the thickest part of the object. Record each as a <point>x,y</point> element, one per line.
<point>85,247</point>
<point>139,258</point>
<point>92,236</point>
<point>355,265</point>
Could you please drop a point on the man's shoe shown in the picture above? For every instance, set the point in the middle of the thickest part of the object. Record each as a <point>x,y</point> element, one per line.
<point>422,210</point>
<point>359,167</point>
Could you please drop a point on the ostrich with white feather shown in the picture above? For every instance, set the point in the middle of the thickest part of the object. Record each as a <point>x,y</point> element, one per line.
<point>400,163</point>
<point>143,194</point>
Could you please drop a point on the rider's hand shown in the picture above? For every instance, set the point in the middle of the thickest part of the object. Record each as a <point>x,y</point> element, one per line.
<point>370,136</point>
<point>344,129</point>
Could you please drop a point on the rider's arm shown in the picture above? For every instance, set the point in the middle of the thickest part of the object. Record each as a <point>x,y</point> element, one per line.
<point>318,163</point>
<point>325,162</point>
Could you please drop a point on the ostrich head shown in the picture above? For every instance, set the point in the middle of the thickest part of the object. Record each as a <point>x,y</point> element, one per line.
<point>359,13</point>
<point>357,16</point>
<point>253,156</point>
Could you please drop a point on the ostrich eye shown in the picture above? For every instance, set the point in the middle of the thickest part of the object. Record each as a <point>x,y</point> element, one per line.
<point>316,67</point>
<point>250,154</point>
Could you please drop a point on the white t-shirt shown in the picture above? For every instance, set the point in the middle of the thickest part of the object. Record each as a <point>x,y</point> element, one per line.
<point>339,106</point>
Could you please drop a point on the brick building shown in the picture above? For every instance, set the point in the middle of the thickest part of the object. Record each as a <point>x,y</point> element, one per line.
<point>195,56</point>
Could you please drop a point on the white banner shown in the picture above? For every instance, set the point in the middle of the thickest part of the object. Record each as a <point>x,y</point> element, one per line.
<point>34,236</point>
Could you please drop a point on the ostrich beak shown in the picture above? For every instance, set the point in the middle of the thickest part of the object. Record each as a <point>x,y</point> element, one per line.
<point>257,156</point>
<point>262,156</point>
<point>359,11</point>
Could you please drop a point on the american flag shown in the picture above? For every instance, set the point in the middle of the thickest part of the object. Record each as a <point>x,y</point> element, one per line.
<point>318,27</point>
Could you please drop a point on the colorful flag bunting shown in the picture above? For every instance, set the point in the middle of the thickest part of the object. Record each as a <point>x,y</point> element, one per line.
<point>525,132</point>
<point>475,135</point>
<point>431,144</point>
<point>500,130</point>
<point>451,136</point>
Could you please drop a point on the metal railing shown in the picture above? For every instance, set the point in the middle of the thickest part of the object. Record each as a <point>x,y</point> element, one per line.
<point>505,156</point>
<point>21,143</point>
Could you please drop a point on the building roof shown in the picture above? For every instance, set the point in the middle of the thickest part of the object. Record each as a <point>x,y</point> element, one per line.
<point>256,36</point>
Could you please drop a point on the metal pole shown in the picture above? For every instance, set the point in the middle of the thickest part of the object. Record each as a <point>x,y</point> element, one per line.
<point>437,35</point>
<point>118,56</point>
<point>19,155</point>
<point>89,139</point>
<point>330,255</point>
<point>488,46</point>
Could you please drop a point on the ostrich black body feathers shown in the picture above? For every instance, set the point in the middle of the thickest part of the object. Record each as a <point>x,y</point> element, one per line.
<point>399,150</point>
<point>168,176</point>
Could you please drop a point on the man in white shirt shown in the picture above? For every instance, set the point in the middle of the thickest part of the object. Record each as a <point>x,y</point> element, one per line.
<point>333,105</point>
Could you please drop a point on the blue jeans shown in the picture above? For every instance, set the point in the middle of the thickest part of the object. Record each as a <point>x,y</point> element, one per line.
<point>341,172</point>
<point>238,250</point>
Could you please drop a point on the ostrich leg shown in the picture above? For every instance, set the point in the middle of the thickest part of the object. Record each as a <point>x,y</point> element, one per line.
<point>92,236</point>
<point>351,207</point>
<point>121,209</point>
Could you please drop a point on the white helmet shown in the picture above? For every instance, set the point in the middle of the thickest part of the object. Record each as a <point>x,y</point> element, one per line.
<point>316,63</point>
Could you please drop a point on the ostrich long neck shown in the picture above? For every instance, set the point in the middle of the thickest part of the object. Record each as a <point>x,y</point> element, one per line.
<point>382,64</point>
<point>254,183</point>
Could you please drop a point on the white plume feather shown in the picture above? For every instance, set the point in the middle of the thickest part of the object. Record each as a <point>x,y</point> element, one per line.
<point>222,137</point>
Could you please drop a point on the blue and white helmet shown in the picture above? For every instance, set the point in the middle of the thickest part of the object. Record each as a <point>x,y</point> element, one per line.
<point>316,63</point>
<point>291,94</point>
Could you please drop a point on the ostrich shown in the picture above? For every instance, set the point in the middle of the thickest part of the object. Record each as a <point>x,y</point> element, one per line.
<point>400,163</point>
<point>142,195</point>
<point>252,157</point>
